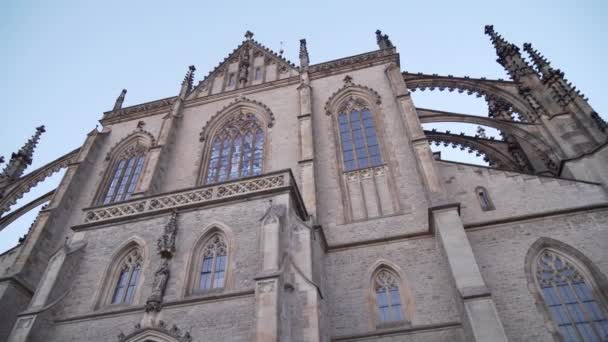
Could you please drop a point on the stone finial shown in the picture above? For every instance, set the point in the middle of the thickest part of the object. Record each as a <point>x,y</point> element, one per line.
<point>188,81</point>
<point>383,41</point>
<point>304,59</point>
<point>20,160</point>
<point>120,99</point>
<point>248,35</point>
<point>542,64</point>
<point>348,79</point>
<point>481,132</point>
<point>1,159</point>
<point>166,243</point>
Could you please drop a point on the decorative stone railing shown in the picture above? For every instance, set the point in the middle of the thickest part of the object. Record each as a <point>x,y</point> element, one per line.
<point>270,182</point>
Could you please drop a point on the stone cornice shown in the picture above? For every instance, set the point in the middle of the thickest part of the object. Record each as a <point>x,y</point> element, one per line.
<point>174,303</point>
<point>353,62</point>
<point>398,331</point>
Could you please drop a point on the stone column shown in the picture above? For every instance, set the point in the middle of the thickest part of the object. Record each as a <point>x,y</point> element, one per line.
<point>306,153</point>
<point>152,174</point>
<point>481,318</point>
<point>418,141</point>
<point>480,312</point>
<point>62,264</point>
<point>46,235</point>
<point>267,283</point>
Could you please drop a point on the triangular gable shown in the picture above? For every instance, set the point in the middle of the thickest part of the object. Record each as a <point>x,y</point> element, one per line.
<point>251,63</point>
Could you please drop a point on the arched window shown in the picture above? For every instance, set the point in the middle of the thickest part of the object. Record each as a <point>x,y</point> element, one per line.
<point>360,148</point>
<point>237,149</point>
<point>484,199</point>
<point>212,264</point>
<point>388,297</point>
<point>569,297</point>
<point>126,279</point>
<point>126,170</point>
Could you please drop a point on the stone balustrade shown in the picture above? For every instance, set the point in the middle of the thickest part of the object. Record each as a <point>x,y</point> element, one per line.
<point>194,197</point>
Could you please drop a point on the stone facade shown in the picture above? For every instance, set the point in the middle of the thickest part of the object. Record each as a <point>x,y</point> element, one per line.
<point>297,239</point>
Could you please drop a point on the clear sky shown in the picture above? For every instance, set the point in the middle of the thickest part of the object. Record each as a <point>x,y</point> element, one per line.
<point>62,63</point>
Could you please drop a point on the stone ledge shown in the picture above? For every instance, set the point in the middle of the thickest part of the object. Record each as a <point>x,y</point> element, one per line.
<point>180,302</point>
<point>398,331</point>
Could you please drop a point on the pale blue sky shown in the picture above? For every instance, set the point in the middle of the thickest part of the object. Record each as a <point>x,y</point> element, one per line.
<point>62,63</point>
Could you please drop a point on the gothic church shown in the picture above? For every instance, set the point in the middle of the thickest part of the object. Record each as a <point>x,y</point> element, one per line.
<point>280,202</point>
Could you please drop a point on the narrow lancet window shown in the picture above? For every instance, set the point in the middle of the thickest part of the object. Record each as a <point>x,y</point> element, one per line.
<point>570,300</point>
<point>358,138</point>
<point>125,176</point>
<point>213,264</point>
<point>126,281</point>
<point>388,298</point>
<point>237,150</point>
<point>484,199</point>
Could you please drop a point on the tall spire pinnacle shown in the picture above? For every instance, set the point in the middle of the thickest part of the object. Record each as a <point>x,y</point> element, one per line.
<point>304,60</point>
<point>188,80</point>
<point>383,41</point>
<point>120,99</point>
<point>508,55</point>
<point>542,64</point>
<point>20,160</point>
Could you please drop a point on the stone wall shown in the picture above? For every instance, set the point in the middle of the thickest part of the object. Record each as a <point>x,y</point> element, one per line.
<point>514,194</point>
<point>501,250</point>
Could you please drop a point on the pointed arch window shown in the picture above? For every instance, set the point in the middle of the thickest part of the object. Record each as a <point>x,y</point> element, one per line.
<point>484,199</point>
<point>358,138</point>
<point>570,299</point>
<point>388,297</point>
<point>126,280</point>
<point>212,269</point>
<point>126,171</point>
<point>237,150</point>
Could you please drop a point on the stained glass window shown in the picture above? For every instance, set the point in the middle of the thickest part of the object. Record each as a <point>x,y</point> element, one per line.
<point>127,278</point>
<point>388,298</point>
<point>237,150</point>
<point>358,139</point>
<point>213,264</point>
<point>125,175</point>
<point>570,300</point>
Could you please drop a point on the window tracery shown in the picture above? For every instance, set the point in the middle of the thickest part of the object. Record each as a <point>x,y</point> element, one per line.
<point>125,174</point>
<point>126,282</point>
<point>388,298</point>
<point>358,138</point>
<point>212,272</point>
<point>237,149</point>
<point>569,298</point>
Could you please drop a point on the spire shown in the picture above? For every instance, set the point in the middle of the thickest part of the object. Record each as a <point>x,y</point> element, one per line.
<point>120,99</point>
<point>304,60</point>
<point>188,80</point>
<point>383,41</point>
<point>542,64</point>
<point>20,160</point>
<point>508,55</point>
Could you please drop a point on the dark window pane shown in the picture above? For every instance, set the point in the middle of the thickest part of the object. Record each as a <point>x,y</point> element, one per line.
<point>566,294</point>
<point>582,291</point>
<point>397,313</point>
<point>363,162</point>
<point>349,165</point>
<point>594,310</point>
<point>120,287</point>
<point>348,155</point>
<point>569,333</point>
<point>575,312</point>
<point>550,296</point>
<point>376,160</point>
<point>559,314</point>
